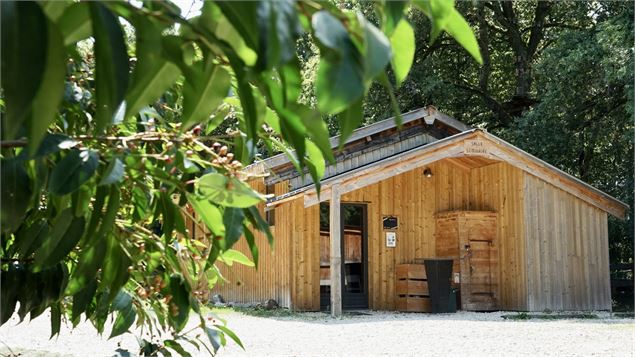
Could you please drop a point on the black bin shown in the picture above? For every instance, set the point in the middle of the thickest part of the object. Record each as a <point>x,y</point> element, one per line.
<point>439,271</point>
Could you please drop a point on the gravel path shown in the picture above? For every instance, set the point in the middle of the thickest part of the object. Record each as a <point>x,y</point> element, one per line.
<point>378,333</point>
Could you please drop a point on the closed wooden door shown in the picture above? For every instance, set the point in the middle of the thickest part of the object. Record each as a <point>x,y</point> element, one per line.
<point>479,265</point>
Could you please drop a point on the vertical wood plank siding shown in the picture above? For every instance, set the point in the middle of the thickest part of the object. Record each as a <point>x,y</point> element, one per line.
<point>414,199</point>
<point>273,278</point>
<point>552,247</point>
<point>567,250</point>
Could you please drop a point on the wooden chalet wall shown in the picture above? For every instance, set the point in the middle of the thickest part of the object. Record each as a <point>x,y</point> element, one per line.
<point>552,246</point>
<point>273,278</point>
<point>567,250</point>
<point>414,199</point>
<point>290,273</point>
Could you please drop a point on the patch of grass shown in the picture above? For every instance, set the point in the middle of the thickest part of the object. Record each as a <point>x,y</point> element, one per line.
<point>220,309</point>
<point>262,312</point>
<point>253,311</point>
<point>550,316</point>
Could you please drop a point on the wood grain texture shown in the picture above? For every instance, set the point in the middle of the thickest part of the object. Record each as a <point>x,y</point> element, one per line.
<point>272,279</point>
<point>552,247</point>
<point>567,250</point>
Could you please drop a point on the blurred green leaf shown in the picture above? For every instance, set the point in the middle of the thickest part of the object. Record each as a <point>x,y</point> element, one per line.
<point>24,56</point>
<point>377,49</point>
<point>206,85</point>
<point>242,15</point>
<point>114,173</point>
<point>111,66</point>
<point>340,79</point>
<point>253,215</point>
<point>81,299</point>
<point>180,302</point>
<point>232,220</point>
<point>462,33</point>
<point>16,192</point>
<point>403,48</point>
<point>214,337</point>
<point>278,29</point>
<point>67,231</point>
<point>350,120</point>
<point>56,320</point>
<point>209,213</point>
<point>445,17</point>
<point>49,95</point>
<point>231,335</point>
<point>225,191</point>
<point>73,170</point>
<point>76,24</point>
<point>125,318</point>
<point>115,273</point>
<point>176,347</point>
<point>251,242</point>
<point>392,15</point>
<point>153,74</point>
<point>231,256</point>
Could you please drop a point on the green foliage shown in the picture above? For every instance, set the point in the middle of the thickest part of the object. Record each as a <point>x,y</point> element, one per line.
<point>556,81</point>
<point>119,119</point>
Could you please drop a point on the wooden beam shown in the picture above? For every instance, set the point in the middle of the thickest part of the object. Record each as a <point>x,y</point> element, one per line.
<point>336,253</point>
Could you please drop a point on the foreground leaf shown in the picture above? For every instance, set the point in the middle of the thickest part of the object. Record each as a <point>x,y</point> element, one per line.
<point>228,192</point>
<point>340,76</point>
<point>231,256</point>
<point>72,171</point>
<point>51,90</point>
<point>24,46</point>
<point>16,192</point>
<point>111,66</point>
<point>206,85</point>
<point>403,49</point>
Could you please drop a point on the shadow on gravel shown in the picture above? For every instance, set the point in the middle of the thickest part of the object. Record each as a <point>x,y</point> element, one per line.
<point>370,316</point>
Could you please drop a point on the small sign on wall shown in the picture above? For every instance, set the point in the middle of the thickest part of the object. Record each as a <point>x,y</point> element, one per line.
<point>391,239</point>
<point>390,222</point>
<point>475,147</point>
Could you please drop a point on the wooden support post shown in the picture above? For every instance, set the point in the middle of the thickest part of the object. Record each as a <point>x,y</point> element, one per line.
<point>336,253</point>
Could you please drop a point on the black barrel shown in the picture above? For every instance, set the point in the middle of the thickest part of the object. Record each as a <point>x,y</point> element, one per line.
<point>439,271</point>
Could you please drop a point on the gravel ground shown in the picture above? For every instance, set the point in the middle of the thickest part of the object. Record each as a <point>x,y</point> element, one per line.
<point>373,333</point>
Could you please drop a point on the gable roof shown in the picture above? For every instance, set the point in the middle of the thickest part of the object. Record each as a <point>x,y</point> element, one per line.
<point>429,114</point>
<point>471,143</point>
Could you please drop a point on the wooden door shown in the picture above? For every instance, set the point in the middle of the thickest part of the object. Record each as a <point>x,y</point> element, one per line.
<point>479,264</point>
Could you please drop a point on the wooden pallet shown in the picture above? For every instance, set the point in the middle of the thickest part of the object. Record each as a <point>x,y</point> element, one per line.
<point>412,288</point>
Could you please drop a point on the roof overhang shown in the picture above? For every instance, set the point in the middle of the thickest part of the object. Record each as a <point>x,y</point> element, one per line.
<point>471,143</point>
<point>429,114</point>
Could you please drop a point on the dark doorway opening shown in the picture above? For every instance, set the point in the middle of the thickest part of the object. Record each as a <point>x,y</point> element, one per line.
<point>354,252</point>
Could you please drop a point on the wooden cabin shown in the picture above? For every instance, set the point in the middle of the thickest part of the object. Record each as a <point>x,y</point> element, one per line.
<point>522,234</point>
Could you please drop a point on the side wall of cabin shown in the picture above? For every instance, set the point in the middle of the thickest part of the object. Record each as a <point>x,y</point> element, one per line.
<point>273,277</point>
<point>567,250</point>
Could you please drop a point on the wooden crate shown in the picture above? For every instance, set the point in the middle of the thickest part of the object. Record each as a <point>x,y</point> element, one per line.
<point>412,288</point>
<point>411,271</point>
<point>413,304</point>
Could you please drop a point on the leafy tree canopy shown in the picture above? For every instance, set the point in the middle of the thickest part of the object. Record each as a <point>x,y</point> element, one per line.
<point>556,80</point>
<point>111,117</point>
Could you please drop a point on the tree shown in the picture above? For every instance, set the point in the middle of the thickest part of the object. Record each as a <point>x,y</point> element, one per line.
<point>576,81</point>
<point>110,130</point>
